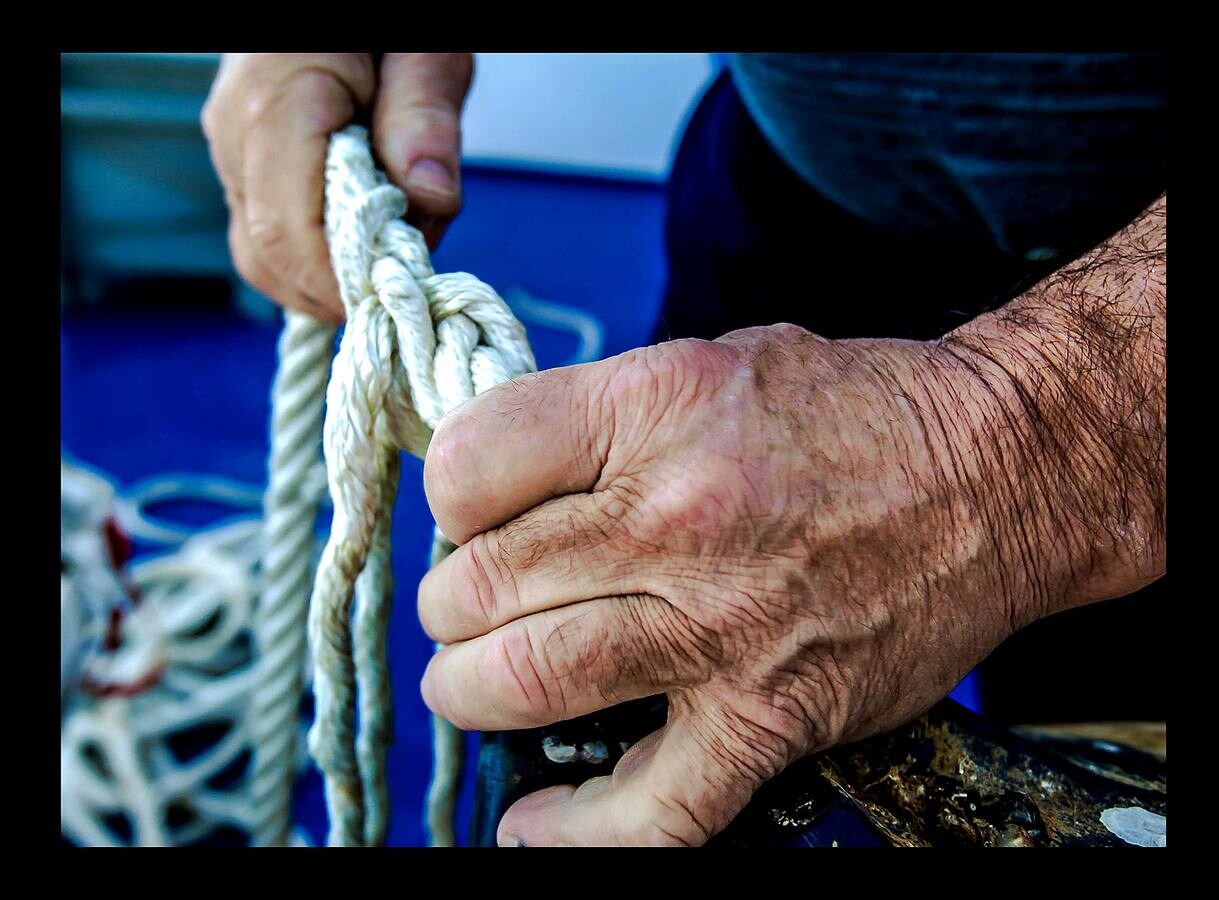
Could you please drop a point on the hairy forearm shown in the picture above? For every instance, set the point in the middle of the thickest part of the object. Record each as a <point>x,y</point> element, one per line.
<point>1070,383</point>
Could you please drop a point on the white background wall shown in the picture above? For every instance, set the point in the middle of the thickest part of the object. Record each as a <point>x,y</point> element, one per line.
<point>612,113</point>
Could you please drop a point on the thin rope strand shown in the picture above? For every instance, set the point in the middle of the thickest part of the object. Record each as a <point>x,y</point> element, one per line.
<point>294,489</point>
<point>448,750</point>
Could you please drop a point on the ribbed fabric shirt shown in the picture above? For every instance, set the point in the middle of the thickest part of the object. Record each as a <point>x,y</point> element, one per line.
<point>1033,152</point>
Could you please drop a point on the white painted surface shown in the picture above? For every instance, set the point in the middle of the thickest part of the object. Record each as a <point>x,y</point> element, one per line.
<point>616,114</point>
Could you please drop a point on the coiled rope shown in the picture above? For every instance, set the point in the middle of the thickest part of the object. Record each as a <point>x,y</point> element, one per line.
<point>415,346</point>
<point>144,677</point>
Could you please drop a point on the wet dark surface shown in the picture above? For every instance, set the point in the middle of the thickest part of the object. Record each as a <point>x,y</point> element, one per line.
<point>947,779</point>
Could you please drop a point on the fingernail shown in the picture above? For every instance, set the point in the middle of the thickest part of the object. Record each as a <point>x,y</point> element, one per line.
<point>430,175</point>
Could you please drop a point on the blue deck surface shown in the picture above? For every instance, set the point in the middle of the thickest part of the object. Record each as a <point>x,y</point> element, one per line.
<point>155,390</point>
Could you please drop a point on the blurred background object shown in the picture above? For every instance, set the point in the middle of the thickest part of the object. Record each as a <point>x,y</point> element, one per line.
<point>140,196</point>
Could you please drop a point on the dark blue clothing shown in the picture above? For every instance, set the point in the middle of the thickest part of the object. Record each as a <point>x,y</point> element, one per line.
<point>901,195</point>
<point>1032,151</point>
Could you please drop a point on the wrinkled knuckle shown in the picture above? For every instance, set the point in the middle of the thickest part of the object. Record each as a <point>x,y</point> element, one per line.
<point>256,104</point>
<point>634,515</point>
<point>785,715</point>
<point>268,236</point>
<point>529,691</point>
<point>745,749</point>
<point>246,265</point>
<point>490,581</point>
<point>832,712</point>
<point>777,726</point>
<point>673,823</point>
<point>669,647</point>
<point>618,515</point>
<point>640,374</point>
<point>695,651</point>
<point>669,377</point>
<point>695,365</point>
<point>786,331</point>
<point>318,90</point>
<point>810,705</point>
<point>693,510</point>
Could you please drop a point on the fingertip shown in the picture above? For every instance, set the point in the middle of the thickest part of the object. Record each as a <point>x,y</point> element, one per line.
<point>425,608</point>
<point>430,178</point>
<point>430,687</point>
<point>420,150</point>
<point>433,198</point>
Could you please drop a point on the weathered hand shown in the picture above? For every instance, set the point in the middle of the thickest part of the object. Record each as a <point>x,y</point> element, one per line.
<point>268,120</point>
<point>801,542</point>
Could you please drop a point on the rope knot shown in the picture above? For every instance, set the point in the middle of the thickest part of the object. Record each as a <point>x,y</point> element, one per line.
<point>416,344</point>
<point>450,336</point>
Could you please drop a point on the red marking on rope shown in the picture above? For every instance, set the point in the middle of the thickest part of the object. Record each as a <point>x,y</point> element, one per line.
<point>123,689</point>
<point>114,630</point>
<point>117,543</point>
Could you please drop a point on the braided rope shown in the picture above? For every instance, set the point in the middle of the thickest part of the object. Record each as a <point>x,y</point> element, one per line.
<point>294,490</point>
<point>416,345</point>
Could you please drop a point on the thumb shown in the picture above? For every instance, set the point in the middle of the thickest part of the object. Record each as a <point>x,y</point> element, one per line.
<point>417,133</point>
<point>673,788</point>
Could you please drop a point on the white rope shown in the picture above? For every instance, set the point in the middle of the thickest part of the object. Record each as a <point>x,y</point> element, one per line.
<point>447,751</point>
<point>415,346</point>
<point>295,486</point>
<point>132,506</point>
<point>141,677</point>
<point>147,674</point>
<point>587,328</point>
